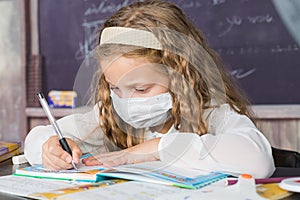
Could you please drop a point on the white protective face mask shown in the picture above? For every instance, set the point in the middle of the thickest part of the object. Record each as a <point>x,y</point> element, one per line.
<point>143,112</point>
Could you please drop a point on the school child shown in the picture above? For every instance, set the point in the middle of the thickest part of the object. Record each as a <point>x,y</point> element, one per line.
<point>162,94</point>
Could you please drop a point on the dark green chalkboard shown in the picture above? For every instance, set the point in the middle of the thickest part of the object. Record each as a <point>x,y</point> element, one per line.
<point>248,34</point>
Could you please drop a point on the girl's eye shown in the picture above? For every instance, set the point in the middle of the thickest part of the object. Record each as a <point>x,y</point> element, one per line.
<point>114,88</point>
<point>140,89</point>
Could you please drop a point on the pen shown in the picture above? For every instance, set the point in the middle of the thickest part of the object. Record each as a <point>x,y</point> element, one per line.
<point>62,140</point>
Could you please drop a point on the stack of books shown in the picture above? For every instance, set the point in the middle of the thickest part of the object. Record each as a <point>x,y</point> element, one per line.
<point>8,150</point>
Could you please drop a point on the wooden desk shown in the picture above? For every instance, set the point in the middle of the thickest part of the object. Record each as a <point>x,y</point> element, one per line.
<point>7,168</point>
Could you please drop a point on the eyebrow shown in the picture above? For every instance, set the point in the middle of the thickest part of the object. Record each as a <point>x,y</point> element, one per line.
<point>108,81</point>
<point>134,84</point>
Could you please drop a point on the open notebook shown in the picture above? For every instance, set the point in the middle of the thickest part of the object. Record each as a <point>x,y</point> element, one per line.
<point>154,172</point>
<point>82,174</point>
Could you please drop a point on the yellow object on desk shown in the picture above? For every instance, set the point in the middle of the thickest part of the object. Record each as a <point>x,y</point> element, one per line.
<point>272,191</point>
<point>62,99</point>
<point>9,155</point>
<point>8,150</point>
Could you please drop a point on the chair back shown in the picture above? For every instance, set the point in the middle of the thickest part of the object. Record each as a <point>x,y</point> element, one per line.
<point>286,158</point>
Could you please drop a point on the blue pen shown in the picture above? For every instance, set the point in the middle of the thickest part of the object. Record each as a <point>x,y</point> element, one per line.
<point>62,140</point>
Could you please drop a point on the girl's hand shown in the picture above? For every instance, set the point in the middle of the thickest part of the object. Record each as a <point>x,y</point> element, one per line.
<point>55,158</point>
<point>147,151</point>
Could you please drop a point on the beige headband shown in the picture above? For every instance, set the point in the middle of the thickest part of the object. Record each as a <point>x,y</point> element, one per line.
<point>129,36</point>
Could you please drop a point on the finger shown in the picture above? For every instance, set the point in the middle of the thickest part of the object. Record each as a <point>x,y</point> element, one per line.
<point>91,161</point>
<point>59,152</point>
<point>57,159</point>
<point>54,156</point>
<point>109,159</point>
<point>116,159</point>
<point>76,151</point>
<point>55,163</point>
<point>87,159</point>
<point>113,163</point>
<point>76,154</point>
<point>47,164</point>
<point>107,155</point>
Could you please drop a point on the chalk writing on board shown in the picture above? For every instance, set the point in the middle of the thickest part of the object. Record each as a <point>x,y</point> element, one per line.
<point>105,6</point>
<point>241,73</point>
<point>91,27</point>
<point>197,4</point>
<point>191,4</point>
<point>276,48</point>
<point>287,48</point>
<point>90,38</point>
<point>218,2</point>
<point>235,21</point>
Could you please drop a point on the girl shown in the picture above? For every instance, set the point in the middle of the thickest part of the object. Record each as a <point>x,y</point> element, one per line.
<point>162,94</point>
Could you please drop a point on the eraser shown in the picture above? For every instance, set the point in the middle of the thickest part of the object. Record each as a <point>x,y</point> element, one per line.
<point>20,159</point>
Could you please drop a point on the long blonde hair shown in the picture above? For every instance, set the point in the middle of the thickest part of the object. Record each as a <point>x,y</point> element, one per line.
<point>146,16</point>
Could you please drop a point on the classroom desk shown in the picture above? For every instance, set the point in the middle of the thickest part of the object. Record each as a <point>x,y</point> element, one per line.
<point>7,168</point>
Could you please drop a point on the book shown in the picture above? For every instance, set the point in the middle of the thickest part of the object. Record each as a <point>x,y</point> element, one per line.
<point>163,173</point>
<point>61,192</point>
<point>35,188</point>
<point>153,172</point>
<point>24,186</point>
<point>82,174</point>
<point>6,147</point>
<point>127,190</point>
<point>9,154</point>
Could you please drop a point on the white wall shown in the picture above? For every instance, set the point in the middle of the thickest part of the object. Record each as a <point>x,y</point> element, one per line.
<point>12,84</point>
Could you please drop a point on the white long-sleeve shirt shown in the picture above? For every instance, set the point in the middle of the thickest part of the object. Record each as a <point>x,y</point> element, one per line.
<point>232,145</point>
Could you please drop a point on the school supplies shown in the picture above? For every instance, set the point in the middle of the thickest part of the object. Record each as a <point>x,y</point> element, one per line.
<point>260,180</point>
<point>19,159</point>
<point>61,192</point>
<point>244,189</point>
<point>6,147</point>
<point>130,190</point>
<point>163,173</point>
<point>272,191</point>
<point>290,184</point>
<point>109,189</point>
<point>63,142</point>
<point>23,186</point>
<point>62,99</point>
<point>8,150</point>
<point>83,174</point>
<point>154,172</point>
<point>9,155</point>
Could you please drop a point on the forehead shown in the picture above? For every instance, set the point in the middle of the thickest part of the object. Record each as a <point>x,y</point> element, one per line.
<point>123,69</point>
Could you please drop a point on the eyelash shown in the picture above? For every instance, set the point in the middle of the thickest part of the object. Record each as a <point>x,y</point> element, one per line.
<point>140,90</point>
<point>135,89</point>
<point>113,88</point>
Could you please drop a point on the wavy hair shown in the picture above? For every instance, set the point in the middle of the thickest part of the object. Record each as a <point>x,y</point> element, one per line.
<point>186,82</point>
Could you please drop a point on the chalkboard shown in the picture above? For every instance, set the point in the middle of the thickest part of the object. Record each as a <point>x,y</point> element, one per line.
<point>249,35</point>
